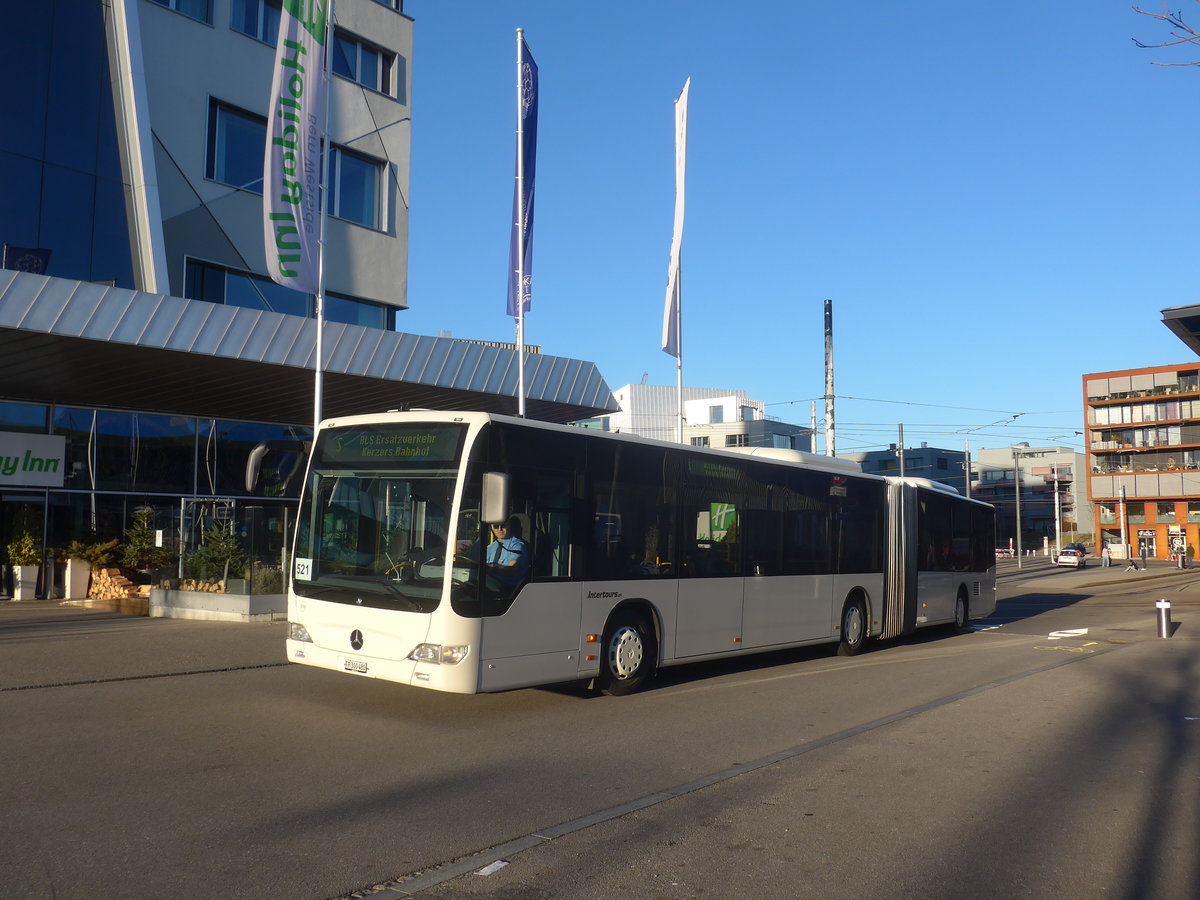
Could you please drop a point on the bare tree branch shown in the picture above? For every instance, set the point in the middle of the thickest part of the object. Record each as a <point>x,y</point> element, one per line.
<point>1181,33</point>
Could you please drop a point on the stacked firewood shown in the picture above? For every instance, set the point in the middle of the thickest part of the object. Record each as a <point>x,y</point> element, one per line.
<point>196,584</point>
<point>110,584</point>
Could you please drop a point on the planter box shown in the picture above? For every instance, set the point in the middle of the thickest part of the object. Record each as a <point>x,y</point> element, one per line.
<point>25,582</point>
<point>79,574</point>
<point>174,604</point>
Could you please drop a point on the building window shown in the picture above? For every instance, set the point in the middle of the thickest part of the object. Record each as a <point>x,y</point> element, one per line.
<point>235,147</point>
<point>700,442</point>
<point>217,284</point>
<point>257,18</point>
<point>1165,512</point>
<point>1108,513</point>
<point>737,440</point>
<point>235,157</point>
<point>747,413</point>
<point>943,464</point>
<point>24,417</point>
<point>363,63</point>
<point>716,415</point>
<point>200,10</point>
<point>349,311</point>
<point>781,441</point>
<point>597,424</point>
<point>1193,511</point>
<point>356,182</point>
<point>1137,513</point>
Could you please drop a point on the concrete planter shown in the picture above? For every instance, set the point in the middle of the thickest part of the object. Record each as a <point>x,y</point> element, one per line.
<point>25,582</point>
<point>79,574</point>
<point>174,604</point>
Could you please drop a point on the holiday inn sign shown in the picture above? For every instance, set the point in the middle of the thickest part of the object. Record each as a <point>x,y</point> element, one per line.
<point>32,460</point>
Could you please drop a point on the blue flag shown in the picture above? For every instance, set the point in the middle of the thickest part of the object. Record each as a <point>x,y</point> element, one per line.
<point>520,253</point>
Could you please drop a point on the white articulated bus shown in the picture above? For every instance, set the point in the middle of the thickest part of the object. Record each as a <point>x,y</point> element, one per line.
<point>638,553</point>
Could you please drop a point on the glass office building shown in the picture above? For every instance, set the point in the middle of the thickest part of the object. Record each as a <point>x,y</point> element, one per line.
<point>144,352</point>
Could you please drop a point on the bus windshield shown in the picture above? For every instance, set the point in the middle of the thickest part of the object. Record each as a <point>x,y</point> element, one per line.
<point>375,516</point>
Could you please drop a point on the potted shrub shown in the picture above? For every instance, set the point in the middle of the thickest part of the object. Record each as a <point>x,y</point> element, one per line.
<point>25,556</point>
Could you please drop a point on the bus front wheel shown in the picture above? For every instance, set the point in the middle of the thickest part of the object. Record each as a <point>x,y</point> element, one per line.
<point>628,654</point>
<point>854,627</point>
<point>962,611</point>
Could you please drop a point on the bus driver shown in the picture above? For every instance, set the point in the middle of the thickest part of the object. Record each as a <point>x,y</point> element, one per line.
<point>508,555</point>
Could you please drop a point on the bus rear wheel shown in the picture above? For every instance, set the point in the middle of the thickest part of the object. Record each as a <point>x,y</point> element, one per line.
<point>854,627</point>
<point>628,654</point>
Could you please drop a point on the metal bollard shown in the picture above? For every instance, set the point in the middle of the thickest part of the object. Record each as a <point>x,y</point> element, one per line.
<point>1164,618</point>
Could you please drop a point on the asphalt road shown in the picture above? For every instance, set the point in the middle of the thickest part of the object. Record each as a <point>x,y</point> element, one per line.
<point>156,758</point>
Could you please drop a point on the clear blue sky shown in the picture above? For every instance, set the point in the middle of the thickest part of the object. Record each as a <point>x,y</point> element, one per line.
<point>996,196</point>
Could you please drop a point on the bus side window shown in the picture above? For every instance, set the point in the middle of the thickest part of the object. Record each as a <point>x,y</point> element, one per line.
<point>633,521</point>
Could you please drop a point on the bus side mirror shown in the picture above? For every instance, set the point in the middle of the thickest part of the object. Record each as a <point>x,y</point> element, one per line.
<point>253,464</point>
<point>494,508</point>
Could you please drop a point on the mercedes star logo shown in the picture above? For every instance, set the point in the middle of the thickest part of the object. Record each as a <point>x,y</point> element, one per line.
<point>356,640</point>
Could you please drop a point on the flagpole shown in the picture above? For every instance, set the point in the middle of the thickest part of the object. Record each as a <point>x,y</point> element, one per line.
<point>520,236</point>
<point>319,363</point>
<point>679,344</point>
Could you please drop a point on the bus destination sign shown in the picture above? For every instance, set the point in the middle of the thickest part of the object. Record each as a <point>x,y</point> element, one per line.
<point>394,444</point>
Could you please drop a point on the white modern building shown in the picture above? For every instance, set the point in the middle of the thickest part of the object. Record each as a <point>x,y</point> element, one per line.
<point>712,417</point>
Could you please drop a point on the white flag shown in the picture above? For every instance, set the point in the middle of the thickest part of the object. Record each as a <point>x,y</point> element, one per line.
<point>292,160</point>
<point>670,335</point>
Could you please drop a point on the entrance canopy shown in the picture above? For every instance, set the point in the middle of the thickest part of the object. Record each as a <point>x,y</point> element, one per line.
<point>1184,322</point>
<point>71,342</point>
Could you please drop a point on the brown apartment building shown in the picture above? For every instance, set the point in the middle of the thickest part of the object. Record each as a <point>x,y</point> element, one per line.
<point>1143,444</point>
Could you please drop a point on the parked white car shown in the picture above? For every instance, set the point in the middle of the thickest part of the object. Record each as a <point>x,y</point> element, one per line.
<point>1072,558</point>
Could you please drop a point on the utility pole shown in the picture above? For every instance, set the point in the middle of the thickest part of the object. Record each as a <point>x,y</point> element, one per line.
<point>967,468</point>
<point>830,443</point>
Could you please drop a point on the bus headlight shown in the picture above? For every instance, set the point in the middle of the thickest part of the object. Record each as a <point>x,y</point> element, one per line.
<point>439,654</point>
<point>297,632</point>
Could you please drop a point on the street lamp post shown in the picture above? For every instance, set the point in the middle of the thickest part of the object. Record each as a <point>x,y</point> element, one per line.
<point>1017,482</point>
<point>1057,516</point>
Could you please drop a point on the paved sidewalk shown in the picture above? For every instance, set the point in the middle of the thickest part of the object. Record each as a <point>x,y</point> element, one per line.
<point>90,645</point>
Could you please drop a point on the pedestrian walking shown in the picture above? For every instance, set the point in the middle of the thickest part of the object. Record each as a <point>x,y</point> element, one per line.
<point>1106,556</point>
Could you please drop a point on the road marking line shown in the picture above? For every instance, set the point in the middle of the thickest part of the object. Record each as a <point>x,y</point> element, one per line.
<point>1068,633</point>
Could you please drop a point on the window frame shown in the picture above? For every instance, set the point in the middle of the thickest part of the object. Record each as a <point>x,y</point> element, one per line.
<point>263,27</point>
<point>379,167</point>
<point>173,6</point>
<point>215,160</point>
<point>384,74</point>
